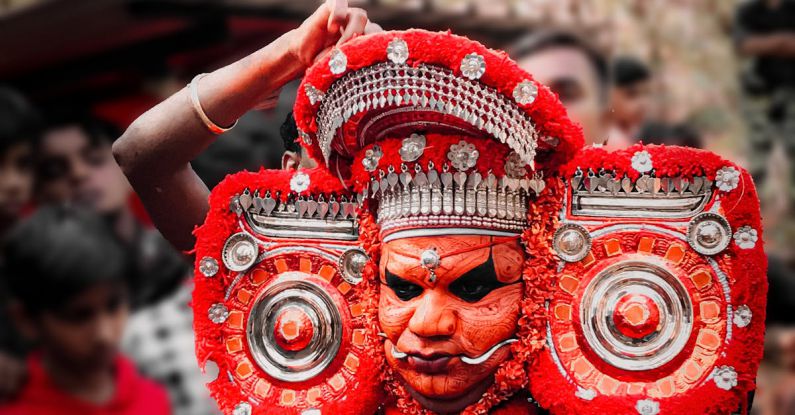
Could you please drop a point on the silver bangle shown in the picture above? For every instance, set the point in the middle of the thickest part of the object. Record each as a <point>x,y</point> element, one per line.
<point>197,106</point>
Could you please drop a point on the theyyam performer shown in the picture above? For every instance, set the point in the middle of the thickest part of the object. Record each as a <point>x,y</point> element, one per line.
<point>456,250</point>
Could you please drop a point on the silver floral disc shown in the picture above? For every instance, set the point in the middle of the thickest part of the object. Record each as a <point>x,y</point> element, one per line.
<point>208,266</point>
<point>746,237</point>
<point>641,161</point>
<point>572,242</point>
<point>218,313</point>
<point>725,377</point>
<point>658,337</point>
<point>585,394</point>
<point>525,92</point>
<point>351,264</point>
<point>240,252</point>
<point>412,147</point>
<point>708,233</point>
<point>515,167</point>
<point>243,408</point>
<point>473,66</point>
<point>463,156</point>
<point>322,324</point>
<point>742,316</point>
<point>647,407</point>
<point>299,182</point>
<point>397,51</point>
<point>338,62</point>
<point>371,158</point>
<point>315,95</point>
<point>727,178</point>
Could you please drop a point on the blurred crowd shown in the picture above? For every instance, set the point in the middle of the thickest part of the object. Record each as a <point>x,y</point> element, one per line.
<point>88,285</point>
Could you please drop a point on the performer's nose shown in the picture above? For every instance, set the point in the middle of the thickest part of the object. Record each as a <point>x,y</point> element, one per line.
<point>432,317</point>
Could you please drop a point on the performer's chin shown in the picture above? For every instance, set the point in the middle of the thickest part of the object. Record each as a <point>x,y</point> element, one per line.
<point>451,404</point>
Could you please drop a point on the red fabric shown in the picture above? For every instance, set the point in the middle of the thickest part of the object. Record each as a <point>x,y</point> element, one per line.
<point>134,395</point>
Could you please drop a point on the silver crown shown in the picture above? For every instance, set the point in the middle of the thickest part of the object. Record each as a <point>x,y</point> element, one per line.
<point>430,199</point>
<point>430,89</point>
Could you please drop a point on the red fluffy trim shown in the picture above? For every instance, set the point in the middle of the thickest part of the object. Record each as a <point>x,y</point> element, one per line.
<point>446,50</point>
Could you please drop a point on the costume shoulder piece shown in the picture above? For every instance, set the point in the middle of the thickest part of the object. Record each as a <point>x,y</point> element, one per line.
<point>639,286</point>
<point>659,304</point>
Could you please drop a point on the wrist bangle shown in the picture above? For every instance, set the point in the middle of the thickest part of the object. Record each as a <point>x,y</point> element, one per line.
<point>197,106</point>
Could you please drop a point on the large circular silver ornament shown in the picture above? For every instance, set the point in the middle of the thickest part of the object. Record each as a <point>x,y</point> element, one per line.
<point>240,252</point>
<point>709,233</point>
<point>351,264</point>
<point>636,316</point>
<point>304,352</point>
<point>572,242</point>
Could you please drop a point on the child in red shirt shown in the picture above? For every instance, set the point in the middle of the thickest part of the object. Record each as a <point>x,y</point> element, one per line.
<point>65,273</point>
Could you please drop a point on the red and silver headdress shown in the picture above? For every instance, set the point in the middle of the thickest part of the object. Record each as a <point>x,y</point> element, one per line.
<point>644,282</point>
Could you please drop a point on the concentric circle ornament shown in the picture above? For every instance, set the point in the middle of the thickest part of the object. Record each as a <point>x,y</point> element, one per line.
<point>295,330</point>
<point>635,316</point>
<point>709,233</point>
<point>351,264</point>
<point>572,242</point>
<point>642,319</point>
<point>240,252</point>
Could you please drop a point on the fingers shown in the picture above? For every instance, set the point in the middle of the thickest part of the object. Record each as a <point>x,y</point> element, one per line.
<point>338,14</point>
<point>372,28</point>
<point>356,23</point>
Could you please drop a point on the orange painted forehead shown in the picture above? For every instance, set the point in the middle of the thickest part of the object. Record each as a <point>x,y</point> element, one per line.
<point>459,254</point>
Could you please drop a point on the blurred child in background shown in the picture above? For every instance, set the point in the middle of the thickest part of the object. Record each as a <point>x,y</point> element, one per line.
<point>630,99</point>
<point>19,125</point>
<point>66,275</point>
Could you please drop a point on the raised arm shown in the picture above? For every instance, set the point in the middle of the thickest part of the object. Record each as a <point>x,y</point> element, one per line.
<point>156,150</point>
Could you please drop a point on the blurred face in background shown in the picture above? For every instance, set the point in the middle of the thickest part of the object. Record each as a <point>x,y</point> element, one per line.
<point>16,180</point>
<point>74,168</point>
<point>85,332</point>
<point>631,105</point>
<point>571,75</point>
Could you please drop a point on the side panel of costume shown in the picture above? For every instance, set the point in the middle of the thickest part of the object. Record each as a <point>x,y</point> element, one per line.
<point>660,297</point>
<point>278,301</point>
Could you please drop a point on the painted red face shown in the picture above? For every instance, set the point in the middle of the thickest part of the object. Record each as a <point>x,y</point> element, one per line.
<point>437,328</point>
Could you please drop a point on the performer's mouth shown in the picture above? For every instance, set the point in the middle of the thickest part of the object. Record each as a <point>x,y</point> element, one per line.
<point>431,364</point>
<point>437,362</point>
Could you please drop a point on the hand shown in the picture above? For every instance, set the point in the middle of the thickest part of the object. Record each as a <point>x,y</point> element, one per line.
<point>12,376</point>
<point>332,23</point>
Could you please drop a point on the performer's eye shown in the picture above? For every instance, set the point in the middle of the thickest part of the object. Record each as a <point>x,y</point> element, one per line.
<point>477,283</point>
<point>404,290</point>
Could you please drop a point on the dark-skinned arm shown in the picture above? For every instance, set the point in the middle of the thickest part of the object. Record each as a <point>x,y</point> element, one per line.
<point>156,150</point>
